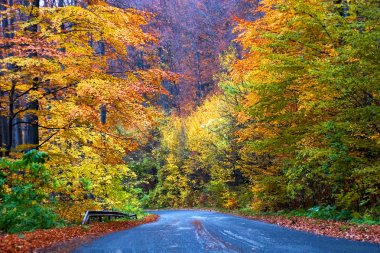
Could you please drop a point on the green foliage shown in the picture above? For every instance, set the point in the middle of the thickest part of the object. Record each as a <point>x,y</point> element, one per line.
<point>333,213</point>
<point>19,217</point>
<point>145,165</point>
<point>24,194</point>
<point>365,219</point>
<point>269,194</point>
<point>328,212</point>
<point>218,193</point>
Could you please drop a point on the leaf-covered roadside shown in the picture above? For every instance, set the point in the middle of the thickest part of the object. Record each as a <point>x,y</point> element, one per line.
<point>338,229</point>
<point>61,239</point>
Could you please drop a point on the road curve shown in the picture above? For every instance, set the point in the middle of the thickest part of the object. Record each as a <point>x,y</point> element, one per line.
<point>202,231</point>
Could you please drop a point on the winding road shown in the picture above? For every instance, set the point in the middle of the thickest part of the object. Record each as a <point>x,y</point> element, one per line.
<point>202,231</point>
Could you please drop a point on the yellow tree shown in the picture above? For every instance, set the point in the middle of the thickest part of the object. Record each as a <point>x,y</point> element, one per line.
<point>173,189</point>
<point>69,66</point>
<point>211,163</point>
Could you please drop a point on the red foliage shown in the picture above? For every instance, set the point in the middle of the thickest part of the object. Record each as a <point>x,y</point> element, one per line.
<point>339,229</point>
<point>64,239</point>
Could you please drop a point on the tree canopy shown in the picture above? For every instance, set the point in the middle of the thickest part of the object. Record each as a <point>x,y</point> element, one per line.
<point>268,106</point>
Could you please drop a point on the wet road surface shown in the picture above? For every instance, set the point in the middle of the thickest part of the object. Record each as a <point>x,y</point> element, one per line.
<point>202,231</point>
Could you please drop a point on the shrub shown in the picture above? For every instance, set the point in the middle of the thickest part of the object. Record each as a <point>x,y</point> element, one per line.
<point>329,213</point>
<point>23,194</point>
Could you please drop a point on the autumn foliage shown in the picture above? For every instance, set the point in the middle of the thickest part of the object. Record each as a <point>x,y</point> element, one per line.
<point>296,124</point>
<point>64,239</point>
<point>279,115</point>
<point>69,88</point>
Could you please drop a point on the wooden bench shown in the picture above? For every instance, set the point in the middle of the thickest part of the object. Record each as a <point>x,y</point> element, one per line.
<point>108,214</point>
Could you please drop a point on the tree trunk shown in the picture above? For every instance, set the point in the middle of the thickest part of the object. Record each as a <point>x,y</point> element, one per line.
<point>10,118</point>
<point>31,128</point>
<point>103,114</point>
<point>103,108</point>
<point>17,133</point>
<point>4,126</point>
<point>2,118</point>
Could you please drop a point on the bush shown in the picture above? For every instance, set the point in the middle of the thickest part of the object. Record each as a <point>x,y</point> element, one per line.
<point>329,213</point>
<point>24,188</point>
<point>17,218</point>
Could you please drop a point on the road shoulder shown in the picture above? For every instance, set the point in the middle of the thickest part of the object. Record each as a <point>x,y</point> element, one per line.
<point>62,240</point>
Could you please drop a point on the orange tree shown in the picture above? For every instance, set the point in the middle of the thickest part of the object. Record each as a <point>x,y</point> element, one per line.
<point>311,73</point>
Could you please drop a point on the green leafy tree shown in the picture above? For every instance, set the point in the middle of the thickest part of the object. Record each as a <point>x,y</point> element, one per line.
<point>25,185</point>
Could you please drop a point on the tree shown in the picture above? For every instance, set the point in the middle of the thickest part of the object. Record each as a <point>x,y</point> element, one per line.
<point>312,79</point>
<point>60,50</point>
<point>69,64</point>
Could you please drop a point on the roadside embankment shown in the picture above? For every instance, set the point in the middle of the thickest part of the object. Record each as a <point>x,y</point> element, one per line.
<point>62,240</point>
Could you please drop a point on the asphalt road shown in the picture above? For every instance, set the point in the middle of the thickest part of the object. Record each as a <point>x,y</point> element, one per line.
<point>202,231</point>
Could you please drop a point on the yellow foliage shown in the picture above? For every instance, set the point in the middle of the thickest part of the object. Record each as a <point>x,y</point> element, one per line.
<point>65,66</point>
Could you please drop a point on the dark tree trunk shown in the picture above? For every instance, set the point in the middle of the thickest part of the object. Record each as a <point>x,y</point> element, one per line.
<point>4,24</point>
<point>16,128</point>
<point>31,127</point>
<point>17,133</point>
<point>6,120</point>
<point>103,114</point>
<point>10,118</point>
<point>103,108</point>
<point>4,134</point>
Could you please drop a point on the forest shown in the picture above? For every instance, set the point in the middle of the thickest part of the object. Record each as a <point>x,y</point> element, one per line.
<point>258,107</point>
